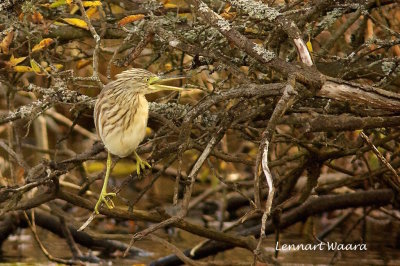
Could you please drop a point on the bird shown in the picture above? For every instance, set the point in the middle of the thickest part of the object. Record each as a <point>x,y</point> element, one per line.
<point>120,115</point>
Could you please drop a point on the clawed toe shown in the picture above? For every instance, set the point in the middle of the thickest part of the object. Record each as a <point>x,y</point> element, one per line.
<point>141,164</point>
<point>106,199</point>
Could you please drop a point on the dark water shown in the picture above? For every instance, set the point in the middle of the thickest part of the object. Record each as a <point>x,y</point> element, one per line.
<point>382,236</point>
<point>23,249</point>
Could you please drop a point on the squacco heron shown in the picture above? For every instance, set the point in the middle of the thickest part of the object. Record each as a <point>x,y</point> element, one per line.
<point>120,114</point>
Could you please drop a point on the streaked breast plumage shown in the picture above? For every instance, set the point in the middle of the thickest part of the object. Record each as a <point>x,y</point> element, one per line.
<point>121,129</point>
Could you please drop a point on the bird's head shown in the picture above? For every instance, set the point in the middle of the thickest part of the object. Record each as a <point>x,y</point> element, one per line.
<point>142,81</point>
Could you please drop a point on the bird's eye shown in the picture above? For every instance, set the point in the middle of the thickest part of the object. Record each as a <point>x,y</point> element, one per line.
<point>146,79</point>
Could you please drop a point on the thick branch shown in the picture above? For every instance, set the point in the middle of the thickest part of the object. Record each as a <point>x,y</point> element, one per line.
<point>313,206</point>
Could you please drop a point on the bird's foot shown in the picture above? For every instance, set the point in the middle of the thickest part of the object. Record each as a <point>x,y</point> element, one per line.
<point>106,199</point>
<point>141,164</point>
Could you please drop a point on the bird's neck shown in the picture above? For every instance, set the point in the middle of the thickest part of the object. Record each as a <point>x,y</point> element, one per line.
<point>138,99</point>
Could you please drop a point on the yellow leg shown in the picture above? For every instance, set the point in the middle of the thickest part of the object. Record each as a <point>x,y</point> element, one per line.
<point>104,196</point>
<point>140,164</point>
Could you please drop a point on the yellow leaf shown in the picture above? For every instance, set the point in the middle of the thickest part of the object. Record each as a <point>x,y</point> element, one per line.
<point>223,165</point>
<point>185,15</point>
<point>116,9</point>
<point>15,61</point>
<point>149,131</point>
<point>166,6</point>
<point>82,63</point>
<point>251,30</point>
<point>168,66</point>
<point>57,66</point>
<point>57,23</point>
<point>35,66</point>
<point>121,168</point>
<point>76,22</point>
<point>227,8</point>
<point>91,11</point>
<point>69,2</point>
<point>95,12</point>
<point>73,9</point>
<point>23,69</point>
<point>37,17</point>
<point>228,15</point>
<point>93,166</point>
<point>130,19</point>
<point>58,3</point>
<point>309,45</point>
<point>43,44</point>
<point>91,3</point>
<point>6,42</point>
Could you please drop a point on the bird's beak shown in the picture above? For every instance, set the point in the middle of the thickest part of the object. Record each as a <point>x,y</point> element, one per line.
<point>156,84</point>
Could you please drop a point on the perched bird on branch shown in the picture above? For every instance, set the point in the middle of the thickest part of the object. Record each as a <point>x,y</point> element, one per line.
<point>120,115</point>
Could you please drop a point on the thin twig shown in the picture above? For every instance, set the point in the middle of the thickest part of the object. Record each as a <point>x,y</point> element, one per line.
<point>175,250</point>
<point>394,181</point>
<point>284,103</point>
<point>97,40</point>
<point>13,154</point>
<point>44,250</point>
<point>66,121</point>
<point>187,196</point>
